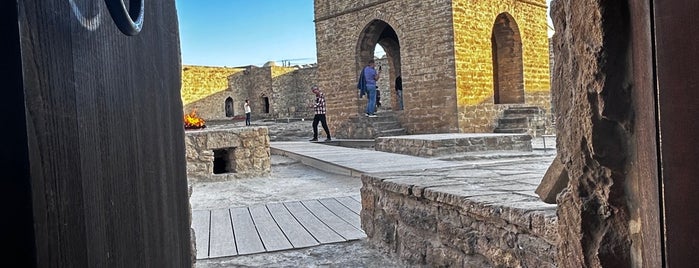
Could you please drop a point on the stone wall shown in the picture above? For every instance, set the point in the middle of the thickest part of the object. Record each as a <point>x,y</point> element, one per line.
<point>245,153</point>
<point>204,90</point>
<point>449,220</point>
<point>443,52</point>
<point>435,145</point>
<point>594,92</point>
<point>424,30</point>
<point>274,92</point>
<point>252,84</point>
<point>292,94</point>
<point>385,86</point>
<point>473,28</point>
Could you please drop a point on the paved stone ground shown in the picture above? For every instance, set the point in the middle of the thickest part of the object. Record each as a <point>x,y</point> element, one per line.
<point>289,180</point>
<point>292,181</point>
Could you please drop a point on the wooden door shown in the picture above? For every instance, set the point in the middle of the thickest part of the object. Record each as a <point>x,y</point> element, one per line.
<point>677,73</point>
<point>96,137</point>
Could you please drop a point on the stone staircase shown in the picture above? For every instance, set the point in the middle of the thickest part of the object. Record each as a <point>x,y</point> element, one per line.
<point>526,119</point>
<point>385,124</point>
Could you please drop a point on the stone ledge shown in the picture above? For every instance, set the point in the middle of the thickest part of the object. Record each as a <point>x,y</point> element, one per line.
<point>460,216</point>
<point>248,152</point>
<point>438,145</point>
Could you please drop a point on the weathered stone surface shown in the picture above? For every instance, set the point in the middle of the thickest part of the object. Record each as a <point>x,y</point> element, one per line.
<point>436,145</point>
<point>248,152</point>
<point>286,89</point>
<point>555,180</point>
<point>591,84</point>
<point>447,218</point>
<point>203,90</point>
<point>443,51</point>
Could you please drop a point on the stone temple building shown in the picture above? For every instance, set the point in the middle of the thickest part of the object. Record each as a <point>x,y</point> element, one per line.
<point>275,92</point>
<point>463,63</point>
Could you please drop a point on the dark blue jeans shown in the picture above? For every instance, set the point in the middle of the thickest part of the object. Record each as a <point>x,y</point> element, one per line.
<point>320,118</point>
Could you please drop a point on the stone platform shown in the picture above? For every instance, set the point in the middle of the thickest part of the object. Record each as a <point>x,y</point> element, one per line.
<point>225,152</point>
<point>469,216</point>
<point>437,145</point>
<point>437,213</point>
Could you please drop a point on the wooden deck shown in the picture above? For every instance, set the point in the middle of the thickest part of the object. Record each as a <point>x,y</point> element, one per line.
<point>276,226</point>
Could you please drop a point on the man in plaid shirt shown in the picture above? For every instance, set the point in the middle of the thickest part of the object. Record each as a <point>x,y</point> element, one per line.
<point>319,109</point>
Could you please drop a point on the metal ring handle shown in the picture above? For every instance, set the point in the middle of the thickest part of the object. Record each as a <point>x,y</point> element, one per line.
<point>123,18</point>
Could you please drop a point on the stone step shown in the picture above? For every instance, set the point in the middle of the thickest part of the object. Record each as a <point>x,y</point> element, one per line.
<point>392,132</point>
<point>436,145</point>
<point>523,111</point>
<point>514,120</point>
<point>510,130</point>
<point>387,125</point>
<point>513,126</point>
<point>378,118</point>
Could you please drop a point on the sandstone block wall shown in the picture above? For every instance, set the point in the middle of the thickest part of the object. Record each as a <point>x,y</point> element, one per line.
<point>291,94</point>
<point>425,33</point>
<point>445,59</point>
<point>204,90</point>
<point>248,147</point>
<point>473,26</point>
<point>460,225</point>
<point>274,92</point>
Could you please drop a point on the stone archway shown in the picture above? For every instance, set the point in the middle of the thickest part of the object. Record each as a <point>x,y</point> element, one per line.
<point>379,32</point>
<point>508,69</point>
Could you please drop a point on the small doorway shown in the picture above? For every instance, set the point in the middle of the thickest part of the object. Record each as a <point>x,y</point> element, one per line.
<point>229,107</point>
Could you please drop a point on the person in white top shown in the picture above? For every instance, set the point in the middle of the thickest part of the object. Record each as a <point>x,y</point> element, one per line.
<point>247,112</point>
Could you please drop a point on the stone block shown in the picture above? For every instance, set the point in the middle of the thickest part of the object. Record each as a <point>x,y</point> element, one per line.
<point>242,162</point>
<point>554,181</point>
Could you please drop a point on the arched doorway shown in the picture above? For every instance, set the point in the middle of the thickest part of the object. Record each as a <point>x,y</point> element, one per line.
<point>508,69</point>
<point>229,107</point>
<point>380,33</point>
<point>265,104</point>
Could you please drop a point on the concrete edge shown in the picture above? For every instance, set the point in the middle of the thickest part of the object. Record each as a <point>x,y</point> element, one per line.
<point>317,163</point>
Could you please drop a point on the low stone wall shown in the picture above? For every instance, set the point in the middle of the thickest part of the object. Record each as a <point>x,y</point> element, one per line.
<point>435,145</point>
<point>451,220</point>
<point>223,152</point>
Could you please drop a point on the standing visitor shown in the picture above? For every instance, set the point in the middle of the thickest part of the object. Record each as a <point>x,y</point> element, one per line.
<point>399,91</point>
<point>319,109</point>
<point>247,112</point>
<point>367,85</point>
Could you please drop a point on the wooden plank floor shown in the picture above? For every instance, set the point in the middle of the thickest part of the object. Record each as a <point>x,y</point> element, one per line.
<point>276,226</point>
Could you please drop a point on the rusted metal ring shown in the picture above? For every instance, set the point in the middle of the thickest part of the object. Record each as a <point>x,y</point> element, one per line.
<point>123,18</point>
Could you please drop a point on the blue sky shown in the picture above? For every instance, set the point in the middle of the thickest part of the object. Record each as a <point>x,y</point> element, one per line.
<point>246,32</point>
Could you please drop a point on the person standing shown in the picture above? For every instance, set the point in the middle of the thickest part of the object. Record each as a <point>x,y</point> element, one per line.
<point>370,76</point>
<point>247,112</point>
<point>399,91</point>
<point>319,109</point>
